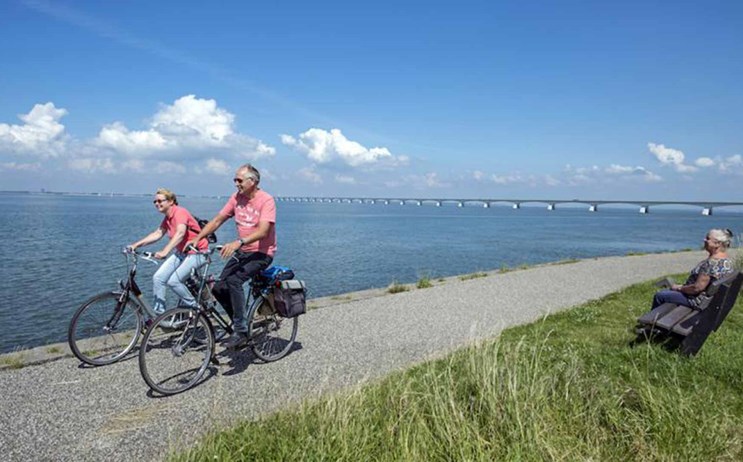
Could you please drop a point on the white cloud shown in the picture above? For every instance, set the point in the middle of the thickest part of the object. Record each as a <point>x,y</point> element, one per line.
<point>731,162</point>
<point>613,173</point>
<point>188,127</point>
<point>507,179</point>
<point>31,166</point>
<point>704,162</point>
<point>671,157</point>
<point>322,147</point>
<point>309,174</point>
<point>92,165</point>
<point>477,175</point>
<point>345,179</point>
<point>41,134</point>
<point>217,166</point>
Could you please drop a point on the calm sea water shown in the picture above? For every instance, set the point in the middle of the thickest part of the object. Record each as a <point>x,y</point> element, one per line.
<point>60,250</point>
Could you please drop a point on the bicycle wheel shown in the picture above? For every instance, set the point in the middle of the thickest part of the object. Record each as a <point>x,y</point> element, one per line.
<point>103,330</point>
<point>176,351</point>
<point>271,336</point>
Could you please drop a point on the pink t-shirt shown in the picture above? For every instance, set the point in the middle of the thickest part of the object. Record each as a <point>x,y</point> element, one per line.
<point>178,215</point>
<point>248,213</point>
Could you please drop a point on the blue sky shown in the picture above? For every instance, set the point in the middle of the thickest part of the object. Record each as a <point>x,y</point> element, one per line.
<point>493,99</point>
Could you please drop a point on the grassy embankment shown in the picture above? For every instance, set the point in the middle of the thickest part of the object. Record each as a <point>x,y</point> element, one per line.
<point>566,388</point>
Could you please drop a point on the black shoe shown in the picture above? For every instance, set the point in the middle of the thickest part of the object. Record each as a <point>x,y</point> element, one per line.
<point>235,340</point>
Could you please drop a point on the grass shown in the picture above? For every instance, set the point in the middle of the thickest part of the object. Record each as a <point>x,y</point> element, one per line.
<point>424,283</point>
<point>467,277</point>
<point>396,288</point>
<point>13,361</point>
<point>344,298</point>
<point>566,388</point>
<point>53,350</point>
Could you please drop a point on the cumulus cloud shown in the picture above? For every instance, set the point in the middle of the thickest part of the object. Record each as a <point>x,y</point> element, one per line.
<point>41,133</point>
<point>614,172</point>
<point>704,162</point>
<point>346,179</point>
<point>188,126</point>
<point>92,165</point>
<point>323,147</point>
<point>670,157</point>
<point>729,163</point>
<point>21,167</point>
<point>217,166</point>
<point>309,174</point>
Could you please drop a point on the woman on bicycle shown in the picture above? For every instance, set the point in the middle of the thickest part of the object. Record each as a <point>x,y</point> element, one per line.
<point>181,227</point>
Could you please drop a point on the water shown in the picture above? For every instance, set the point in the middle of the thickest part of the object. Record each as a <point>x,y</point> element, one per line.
<point>60,250</point>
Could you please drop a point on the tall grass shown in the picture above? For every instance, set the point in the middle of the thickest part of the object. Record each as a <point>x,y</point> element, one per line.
<point>565,388</point>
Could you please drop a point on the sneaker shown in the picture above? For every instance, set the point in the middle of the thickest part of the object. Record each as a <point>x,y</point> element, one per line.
<point>235,340</point>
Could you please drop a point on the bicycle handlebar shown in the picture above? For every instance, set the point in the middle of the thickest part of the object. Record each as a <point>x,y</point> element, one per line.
<point>149,256</point>
<point>208,251</point>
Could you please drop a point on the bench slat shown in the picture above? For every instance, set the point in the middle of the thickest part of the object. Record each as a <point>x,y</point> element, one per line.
<point>658,312</point>
<point>678,314</point>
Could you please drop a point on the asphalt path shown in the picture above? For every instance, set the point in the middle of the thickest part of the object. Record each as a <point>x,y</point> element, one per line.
<point>60,410</point>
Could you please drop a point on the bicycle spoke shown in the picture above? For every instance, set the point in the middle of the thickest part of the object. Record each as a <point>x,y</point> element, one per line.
<point>176,351</point>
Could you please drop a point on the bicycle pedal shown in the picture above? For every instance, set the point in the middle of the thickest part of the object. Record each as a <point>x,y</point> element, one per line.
<point>215,361</point>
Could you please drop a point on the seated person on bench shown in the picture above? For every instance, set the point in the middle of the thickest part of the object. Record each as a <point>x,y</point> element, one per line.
<point>717,265</point>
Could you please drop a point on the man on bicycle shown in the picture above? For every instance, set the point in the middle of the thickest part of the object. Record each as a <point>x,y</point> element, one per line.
<point>254,211</point>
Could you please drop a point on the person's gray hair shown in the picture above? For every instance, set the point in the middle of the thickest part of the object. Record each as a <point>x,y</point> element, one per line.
<point>723,236</point>
<point>252,172</point>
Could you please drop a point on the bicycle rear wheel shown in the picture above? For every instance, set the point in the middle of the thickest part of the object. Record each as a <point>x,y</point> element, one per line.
<point>271,336</point>
<point>176,351</point>
<point>103,330</point>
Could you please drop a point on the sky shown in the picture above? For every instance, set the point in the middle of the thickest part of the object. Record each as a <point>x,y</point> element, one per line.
<point>520,99</point>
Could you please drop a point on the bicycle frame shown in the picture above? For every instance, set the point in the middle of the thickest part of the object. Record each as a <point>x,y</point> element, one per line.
<point>130,286</point>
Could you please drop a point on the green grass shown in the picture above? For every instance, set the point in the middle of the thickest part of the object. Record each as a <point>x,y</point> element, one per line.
<point>565,388</point>
<point>396,288</point>
<point>344,298</point>
<point>467,277</point>
<point>424,283</point>
<point>53,350</point>
<point>14,361</point>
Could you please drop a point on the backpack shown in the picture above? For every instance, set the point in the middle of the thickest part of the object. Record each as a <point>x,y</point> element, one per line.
<point>211,237</point>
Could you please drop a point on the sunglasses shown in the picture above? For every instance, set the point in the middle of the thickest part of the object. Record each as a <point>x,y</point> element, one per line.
<point>241,180</point>
<point>159,201</point>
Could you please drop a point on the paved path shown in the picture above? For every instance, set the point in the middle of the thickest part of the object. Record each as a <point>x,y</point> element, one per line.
<point>59,411</point>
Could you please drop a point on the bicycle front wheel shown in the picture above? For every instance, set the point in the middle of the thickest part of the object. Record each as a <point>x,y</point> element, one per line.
<point>271,335</point>
<point>176,351</point>
<point>104,329</point>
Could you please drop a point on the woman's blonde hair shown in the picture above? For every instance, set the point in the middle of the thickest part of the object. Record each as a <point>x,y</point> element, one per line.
<point>168,194</point>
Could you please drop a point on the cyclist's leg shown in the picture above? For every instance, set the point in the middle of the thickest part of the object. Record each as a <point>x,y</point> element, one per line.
<point>159,279</point>
<point>182,272</point>
<point>250,264</point>
<point>220,290</point>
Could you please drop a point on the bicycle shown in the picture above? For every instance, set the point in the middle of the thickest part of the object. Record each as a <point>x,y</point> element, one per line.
<point>174,358</point>
<point>107,326</point>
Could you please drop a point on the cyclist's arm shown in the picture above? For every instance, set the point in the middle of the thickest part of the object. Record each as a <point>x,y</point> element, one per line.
<point>262,230</point>
<point>154,236</point>
<point>178,235</point>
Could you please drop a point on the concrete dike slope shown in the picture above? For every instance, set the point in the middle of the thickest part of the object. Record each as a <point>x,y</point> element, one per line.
<point>57,410</point>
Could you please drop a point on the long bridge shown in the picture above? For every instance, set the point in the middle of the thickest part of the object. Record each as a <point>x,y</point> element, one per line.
<point>593,205</point>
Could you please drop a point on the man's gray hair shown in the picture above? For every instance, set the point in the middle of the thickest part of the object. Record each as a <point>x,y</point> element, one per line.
<point>723,236</point>
<point>252,172</point>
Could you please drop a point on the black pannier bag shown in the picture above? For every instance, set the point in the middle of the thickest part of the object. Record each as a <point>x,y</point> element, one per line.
<point>290,298</point>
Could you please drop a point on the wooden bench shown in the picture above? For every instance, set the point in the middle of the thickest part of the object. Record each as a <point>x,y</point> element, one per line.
<point>690,327</point>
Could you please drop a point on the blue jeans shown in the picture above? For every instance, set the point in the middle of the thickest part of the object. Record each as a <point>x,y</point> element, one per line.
<point>174,270</point>
<point>670,296</point>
